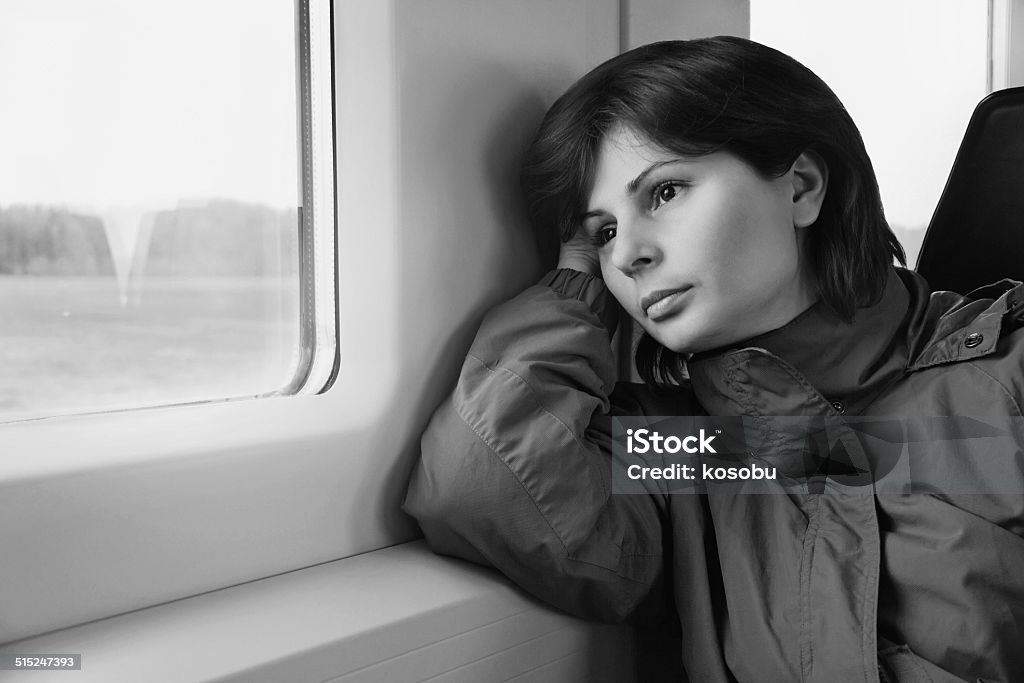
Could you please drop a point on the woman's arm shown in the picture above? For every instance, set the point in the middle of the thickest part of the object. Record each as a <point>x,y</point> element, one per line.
<point>516,469</point>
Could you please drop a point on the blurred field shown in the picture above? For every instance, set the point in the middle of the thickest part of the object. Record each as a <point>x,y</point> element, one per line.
<point>73,344</point>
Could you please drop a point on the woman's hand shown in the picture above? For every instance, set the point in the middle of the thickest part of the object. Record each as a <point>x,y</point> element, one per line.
<point>579,253</point>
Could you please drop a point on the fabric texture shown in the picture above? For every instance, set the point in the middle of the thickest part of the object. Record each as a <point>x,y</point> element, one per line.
<point>515,473</point>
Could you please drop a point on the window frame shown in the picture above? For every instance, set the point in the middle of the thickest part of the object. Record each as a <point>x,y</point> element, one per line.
<point>107,512</point>
<point>318,356</point>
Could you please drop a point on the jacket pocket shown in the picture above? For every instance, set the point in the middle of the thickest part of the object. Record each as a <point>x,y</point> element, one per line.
<point>898,664</point>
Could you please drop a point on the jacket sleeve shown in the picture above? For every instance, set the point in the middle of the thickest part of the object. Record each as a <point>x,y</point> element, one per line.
<point>516,470</point>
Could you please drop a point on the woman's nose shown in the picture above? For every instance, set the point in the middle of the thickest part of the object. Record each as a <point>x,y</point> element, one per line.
<point>632,249</point>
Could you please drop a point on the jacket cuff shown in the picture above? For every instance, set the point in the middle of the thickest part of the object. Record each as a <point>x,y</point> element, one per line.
<point>589,289</point>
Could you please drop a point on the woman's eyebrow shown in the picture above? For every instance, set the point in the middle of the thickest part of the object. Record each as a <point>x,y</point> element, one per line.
<point>634,184</point>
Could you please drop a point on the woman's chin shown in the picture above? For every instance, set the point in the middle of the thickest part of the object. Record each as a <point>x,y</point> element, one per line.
<point>687,339</point>
<point>678,341</point>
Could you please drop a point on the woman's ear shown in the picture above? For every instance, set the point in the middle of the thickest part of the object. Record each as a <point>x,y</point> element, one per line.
<point>810,181</point>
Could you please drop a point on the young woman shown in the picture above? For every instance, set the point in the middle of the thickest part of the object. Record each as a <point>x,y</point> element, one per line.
<point>720,194</point>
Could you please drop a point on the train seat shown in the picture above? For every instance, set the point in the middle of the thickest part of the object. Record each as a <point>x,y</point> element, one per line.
<point>976,235</point>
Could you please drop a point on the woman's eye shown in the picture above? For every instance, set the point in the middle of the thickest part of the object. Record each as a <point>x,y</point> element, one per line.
<point>603,236</point>
<point>666,192</point>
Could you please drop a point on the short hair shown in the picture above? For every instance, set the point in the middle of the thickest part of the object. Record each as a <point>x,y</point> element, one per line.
<point>728,94</point>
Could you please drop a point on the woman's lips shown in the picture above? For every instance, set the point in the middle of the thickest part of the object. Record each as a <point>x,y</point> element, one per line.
<point>663,303</point>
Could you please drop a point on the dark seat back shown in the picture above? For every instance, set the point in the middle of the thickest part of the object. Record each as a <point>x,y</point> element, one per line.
<point>976,235</point>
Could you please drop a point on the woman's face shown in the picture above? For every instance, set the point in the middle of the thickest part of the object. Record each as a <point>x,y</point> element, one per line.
<point>702,251</point>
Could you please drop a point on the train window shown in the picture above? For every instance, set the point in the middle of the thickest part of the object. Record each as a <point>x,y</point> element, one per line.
<point>166,203</point>
<point>909,72</point>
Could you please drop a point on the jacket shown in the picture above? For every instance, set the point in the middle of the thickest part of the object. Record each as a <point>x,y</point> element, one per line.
<point>832,587</point>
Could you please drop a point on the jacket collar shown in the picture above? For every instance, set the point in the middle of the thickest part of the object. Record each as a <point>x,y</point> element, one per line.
<point>948,327</point>
<point>811,363</point>
<point>820,365</point>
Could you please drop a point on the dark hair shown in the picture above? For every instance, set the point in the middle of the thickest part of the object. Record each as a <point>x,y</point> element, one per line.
<point>720,94</point>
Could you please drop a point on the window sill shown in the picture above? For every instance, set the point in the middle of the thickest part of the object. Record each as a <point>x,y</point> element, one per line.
<point>397,614</point>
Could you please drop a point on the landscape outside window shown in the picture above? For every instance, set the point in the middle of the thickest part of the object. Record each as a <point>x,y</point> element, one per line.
<point>149,193</point>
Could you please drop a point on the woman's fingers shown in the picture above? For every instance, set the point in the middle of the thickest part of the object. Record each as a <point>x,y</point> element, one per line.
<point>579,253</point>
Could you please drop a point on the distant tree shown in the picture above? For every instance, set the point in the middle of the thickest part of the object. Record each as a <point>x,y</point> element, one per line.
<point>47,240</point>
<point>222,238</point>
<point>219,238</point>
